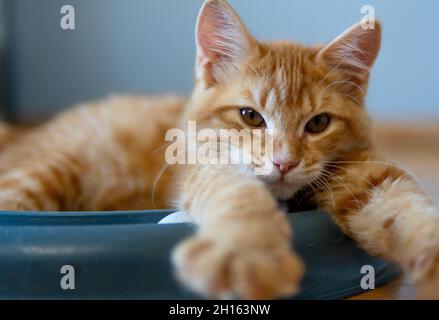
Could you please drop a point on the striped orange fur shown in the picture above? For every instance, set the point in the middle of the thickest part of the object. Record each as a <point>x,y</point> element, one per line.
<point>109,155</point>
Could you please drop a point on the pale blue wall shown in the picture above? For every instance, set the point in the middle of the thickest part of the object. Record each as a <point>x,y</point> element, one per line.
<point>146,46</point>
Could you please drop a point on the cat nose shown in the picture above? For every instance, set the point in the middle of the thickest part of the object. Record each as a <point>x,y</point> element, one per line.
<point>285,166</point>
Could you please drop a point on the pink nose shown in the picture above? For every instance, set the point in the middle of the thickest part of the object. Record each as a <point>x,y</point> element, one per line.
<point>285,167</point>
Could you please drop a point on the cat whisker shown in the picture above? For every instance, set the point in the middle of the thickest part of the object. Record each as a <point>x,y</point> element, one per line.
<point>346,81</point>
<point>347,170</point>
<point>255,71</point>
<point>163,147</point>
<point>352,97</point>
<point>411,174</point>
<point>315,193</point>
<point>329,176</point>
<point>343,183</point>
<point>321,180</point>
<point>332,70</point>
<point>157,179</point>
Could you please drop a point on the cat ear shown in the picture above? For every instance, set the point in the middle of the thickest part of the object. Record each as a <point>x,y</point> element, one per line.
<point>223,41</point>
<point>354,53</point>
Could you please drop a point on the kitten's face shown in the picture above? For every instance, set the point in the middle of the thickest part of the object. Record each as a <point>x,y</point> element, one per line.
<point>312,104</point>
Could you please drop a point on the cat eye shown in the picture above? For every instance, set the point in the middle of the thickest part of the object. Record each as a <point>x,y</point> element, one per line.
<point>318,124</point>
<point>252,118</point>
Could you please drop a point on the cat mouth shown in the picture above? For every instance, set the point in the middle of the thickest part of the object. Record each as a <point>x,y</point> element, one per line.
<point>289,181</point>
<point>283,180</point>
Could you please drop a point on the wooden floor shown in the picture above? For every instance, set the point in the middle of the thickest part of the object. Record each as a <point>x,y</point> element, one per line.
<point>400,289</point>
<point>416,148</point>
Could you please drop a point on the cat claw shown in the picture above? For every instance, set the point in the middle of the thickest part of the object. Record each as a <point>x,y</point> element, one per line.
<point>220,271</point>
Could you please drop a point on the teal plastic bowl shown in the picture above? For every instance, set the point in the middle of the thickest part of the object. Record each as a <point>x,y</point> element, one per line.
<point>126,255</point>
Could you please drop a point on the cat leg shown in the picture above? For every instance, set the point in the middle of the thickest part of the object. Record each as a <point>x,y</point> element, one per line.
<point>401,224</point>
<point>242,246</point>
<point>44,187</point>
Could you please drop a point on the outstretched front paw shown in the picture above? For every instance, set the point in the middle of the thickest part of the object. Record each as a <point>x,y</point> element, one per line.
<point>424,271</point>
<point>219,270</point>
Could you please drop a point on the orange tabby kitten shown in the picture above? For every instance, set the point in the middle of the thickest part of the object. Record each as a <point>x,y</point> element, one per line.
<point>108,155</point>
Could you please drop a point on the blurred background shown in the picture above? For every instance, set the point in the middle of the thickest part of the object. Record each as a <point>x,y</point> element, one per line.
<point>147,47</point>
